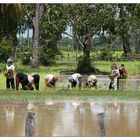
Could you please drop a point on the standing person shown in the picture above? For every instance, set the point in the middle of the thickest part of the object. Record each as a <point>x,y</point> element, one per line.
<point>9,73</point>
<point>27,81</point>
<point>123,72</point>
<point>50,80</point>
<point>114,77</point>
<point>75,79</point>
<point>92,81</point>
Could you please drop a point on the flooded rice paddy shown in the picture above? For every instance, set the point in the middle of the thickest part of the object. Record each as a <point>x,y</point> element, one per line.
<point>132,83</point>
<point>75,117</point>
<point>71,117</point>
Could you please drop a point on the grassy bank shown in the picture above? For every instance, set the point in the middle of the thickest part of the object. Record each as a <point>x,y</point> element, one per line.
<point>86,94</point>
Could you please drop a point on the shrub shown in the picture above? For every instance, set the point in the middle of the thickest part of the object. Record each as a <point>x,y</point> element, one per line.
<point>106,54</point>
<point>49,54</point>
<point>84,65</point>
<point>25,54</point>
<point>25,58</point>
<point>5,50</point>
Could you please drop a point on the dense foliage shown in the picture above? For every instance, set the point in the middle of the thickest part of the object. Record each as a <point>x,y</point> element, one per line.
<point>5,50</point>
<point>92,26</point>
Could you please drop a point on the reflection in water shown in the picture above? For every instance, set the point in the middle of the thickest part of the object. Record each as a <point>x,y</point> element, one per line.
<point>75,104</point>
<point>66,123</point>
<point>9,113</point>
<point>132,115</point>
<point>97,107</point>
<point>71,118</point>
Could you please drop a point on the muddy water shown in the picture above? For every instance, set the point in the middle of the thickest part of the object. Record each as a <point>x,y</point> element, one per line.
<point>71,118</point>
<point>132,83</point>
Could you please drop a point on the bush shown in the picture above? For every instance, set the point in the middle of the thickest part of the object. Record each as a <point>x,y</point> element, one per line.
<point>49,54</point>
<point>106,54</point>
<point>84,65</point>
<point>25,58</point>
<point>25,54</point>
<point>5,50</point>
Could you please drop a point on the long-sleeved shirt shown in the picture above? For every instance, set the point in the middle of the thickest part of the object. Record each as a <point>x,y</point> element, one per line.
<point>76,77</point>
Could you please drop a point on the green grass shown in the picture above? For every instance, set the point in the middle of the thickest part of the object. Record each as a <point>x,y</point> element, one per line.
<point>85,94</point>
<point>132,68</point>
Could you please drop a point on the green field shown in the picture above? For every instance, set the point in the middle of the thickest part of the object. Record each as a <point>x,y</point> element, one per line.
<point>68,63</point>
<point>133,67</point>
<point>61,94</point>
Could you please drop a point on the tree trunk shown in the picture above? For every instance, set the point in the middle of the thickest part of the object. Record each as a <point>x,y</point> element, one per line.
<point>84,66</point>
<point>86,51</point>
<point>13,39</point>
<point>28,38</point>
<point>126,45</point>
<point>138,46</point>
<point>124,34</point>
<point>36,47</point>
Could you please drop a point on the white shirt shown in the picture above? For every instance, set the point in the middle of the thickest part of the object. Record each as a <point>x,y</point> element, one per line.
<point>30,79</point>
<point>76,77</point>
<point>49,77</point>
<point>12,67</point>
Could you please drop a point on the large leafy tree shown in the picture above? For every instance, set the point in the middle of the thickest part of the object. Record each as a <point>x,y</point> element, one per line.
<point>126,25</point>
<point>87,20</point>
<point>53,23</point>
<point>124,28</point>
<point>134,10</point>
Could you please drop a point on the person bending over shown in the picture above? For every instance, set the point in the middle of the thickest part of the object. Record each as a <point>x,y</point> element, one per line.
<point>50,80</point>
<point>27,80</point>
<point>92,81</point>
<point>75,80</point>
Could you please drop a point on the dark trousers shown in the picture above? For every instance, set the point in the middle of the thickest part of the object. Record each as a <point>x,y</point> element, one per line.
<point>73,84</point>
<point>10,82</point>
